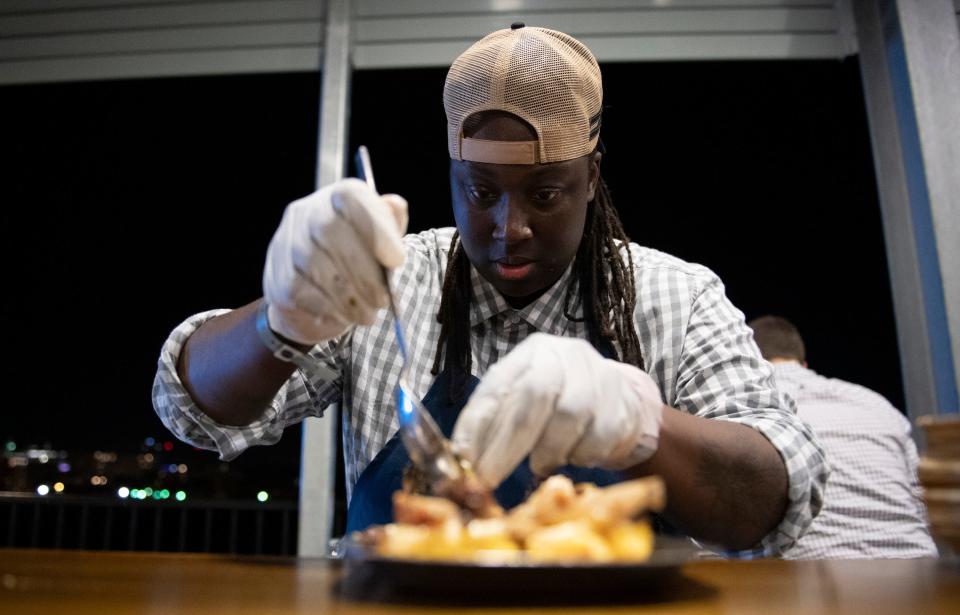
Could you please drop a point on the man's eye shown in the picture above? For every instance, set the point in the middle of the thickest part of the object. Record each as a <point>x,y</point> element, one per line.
<point>481,194</point>
<point>545,195</point>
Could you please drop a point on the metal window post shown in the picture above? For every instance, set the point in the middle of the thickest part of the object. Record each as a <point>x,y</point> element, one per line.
<point>317,460</point>
<point>910,64</point>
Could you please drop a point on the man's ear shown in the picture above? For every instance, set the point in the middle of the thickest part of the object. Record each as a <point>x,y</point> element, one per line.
<point>594,175</point>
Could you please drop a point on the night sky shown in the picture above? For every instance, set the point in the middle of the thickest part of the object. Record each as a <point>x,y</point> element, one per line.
<point>129,205</point>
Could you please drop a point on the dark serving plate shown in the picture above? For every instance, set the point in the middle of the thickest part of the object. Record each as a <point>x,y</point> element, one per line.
<point>520,578</point>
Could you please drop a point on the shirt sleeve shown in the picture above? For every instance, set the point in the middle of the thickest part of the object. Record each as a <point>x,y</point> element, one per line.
<point>912,460</point>
<point>297,399</point>
<point>721,375</point>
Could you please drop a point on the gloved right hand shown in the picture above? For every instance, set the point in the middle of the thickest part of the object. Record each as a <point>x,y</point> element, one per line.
<point>323,271</point>
<point>559,400</point>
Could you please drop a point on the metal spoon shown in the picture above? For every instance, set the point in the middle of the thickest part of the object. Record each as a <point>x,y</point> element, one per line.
<point>429,450</point>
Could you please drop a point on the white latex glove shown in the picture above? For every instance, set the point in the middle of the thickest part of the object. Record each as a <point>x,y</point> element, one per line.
<point>323,270</point>
<point>560,401</point>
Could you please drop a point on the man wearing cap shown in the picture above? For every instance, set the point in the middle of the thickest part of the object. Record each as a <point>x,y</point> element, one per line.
<point>599,358</point>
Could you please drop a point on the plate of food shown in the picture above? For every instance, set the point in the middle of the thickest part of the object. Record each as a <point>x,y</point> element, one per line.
<point>563,538</point>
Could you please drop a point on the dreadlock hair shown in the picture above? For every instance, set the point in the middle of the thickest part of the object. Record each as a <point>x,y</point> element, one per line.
<point>606,292</point>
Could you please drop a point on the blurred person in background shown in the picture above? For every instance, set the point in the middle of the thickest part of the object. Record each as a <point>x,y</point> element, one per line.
<point>872,504</point>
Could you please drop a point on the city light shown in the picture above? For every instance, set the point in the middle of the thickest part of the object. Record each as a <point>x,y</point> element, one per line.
<point>149,441</point>
<point>168,446</point>
<point>131,475</point>
<point>105,456</point>
<point>11,446</point>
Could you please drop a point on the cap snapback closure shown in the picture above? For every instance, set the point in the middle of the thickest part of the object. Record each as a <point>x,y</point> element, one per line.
<point>499,152</point>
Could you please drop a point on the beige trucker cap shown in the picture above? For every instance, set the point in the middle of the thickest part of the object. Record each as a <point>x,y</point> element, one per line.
<point>547,78</point>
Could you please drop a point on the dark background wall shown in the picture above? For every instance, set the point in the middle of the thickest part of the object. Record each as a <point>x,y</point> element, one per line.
<point>129,205</point>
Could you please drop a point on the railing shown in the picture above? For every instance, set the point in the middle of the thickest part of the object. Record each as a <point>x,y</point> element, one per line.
<point>77,522</point>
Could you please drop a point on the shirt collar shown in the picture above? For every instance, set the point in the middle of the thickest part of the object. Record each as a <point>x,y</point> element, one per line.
<point>546,314</point>
<point>791,368</point>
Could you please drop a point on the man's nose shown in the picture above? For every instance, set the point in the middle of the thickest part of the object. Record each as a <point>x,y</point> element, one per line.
<point>512,223</point>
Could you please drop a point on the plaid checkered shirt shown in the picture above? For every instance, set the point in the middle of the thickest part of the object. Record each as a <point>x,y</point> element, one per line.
<point>694,343</point>
<point>872,504</point>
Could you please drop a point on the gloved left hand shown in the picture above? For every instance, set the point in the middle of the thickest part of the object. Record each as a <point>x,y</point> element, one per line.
<point>558,400</point>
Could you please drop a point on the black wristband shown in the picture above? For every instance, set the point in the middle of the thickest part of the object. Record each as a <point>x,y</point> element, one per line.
<point>282,350</point>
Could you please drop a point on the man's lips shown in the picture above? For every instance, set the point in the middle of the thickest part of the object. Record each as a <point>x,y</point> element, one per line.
<point>513,268</point>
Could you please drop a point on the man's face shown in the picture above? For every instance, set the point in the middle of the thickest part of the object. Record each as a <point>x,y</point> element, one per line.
<point>521,225</point>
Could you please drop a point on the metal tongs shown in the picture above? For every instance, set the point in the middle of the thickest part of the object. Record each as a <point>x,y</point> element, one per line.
<point>429,450</point>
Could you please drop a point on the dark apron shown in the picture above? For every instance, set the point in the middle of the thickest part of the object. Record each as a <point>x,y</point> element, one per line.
<point>372,495</point>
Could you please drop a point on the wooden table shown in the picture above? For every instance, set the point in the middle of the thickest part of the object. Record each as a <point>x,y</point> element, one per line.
<point>78,582</point>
